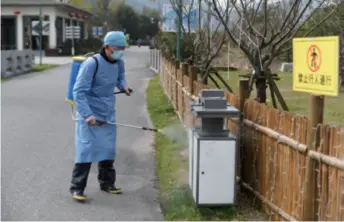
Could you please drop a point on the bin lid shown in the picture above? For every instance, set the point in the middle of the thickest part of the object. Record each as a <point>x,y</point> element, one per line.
<point>198,110</point>
<point>229,111</point>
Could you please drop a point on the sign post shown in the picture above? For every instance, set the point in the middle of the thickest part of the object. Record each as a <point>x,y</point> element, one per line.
<point>100,31</point>
<point>40,35</point>
<point>72,32</point>
<point>95,31</point>
<point>316,71</point>
<point>72,37</point>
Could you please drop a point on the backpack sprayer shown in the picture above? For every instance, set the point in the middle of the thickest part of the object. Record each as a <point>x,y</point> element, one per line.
<point>77,61</point>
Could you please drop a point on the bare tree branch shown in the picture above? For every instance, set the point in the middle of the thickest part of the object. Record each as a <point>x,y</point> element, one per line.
<point>207,41</point>
<point>256,34</point>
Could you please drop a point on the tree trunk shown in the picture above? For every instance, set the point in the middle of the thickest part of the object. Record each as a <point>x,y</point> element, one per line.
<point>205,80</point>
<point>201,78</point>
<point>260,85</point>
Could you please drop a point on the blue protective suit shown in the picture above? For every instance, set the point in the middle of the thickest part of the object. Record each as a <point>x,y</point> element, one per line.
<point>95,97</point>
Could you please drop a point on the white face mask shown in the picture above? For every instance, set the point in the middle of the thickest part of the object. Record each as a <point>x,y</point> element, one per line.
<point>117,54</point>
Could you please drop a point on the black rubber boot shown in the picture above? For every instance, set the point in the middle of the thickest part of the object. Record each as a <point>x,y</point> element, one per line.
<point>79,180</point>
<point>107,177</point>
<point>112,189</point>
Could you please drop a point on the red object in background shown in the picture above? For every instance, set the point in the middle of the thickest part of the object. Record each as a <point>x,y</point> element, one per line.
<point>139,45</point>
<point>71,14</point>
<point>17,12</point>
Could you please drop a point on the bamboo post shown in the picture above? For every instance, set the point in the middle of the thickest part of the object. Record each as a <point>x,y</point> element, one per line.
<point>160,58</point>
<point>157,60</point>
<point>161,73</point>
<point>244,92</point>
<point>316,116</point>
<point>165,72</point>
<point>166,62</point>
<point>176,68</point>
<point>192,77</point>
<point>163,58</point>
<point>184,69</point>
<point>170,73</point>
<point>166,65</point>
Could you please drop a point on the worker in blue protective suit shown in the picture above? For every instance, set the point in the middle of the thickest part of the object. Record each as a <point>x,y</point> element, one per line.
<point>94,100</point>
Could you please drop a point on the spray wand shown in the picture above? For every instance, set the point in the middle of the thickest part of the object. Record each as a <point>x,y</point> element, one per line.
<point>101,123</point>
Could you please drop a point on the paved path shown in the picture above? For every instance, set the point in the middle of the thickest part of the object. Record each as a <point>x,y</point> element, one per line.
<point>38,151</point>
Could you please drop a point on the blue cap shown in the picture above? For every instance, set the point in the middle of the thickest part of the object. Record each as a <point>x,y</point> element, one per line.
<point>115,38</point>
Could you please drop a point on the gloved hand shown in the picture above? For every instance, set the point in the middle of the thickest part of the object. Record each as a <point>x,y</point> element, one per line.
<point>91,120</point>
<point>127,91</point>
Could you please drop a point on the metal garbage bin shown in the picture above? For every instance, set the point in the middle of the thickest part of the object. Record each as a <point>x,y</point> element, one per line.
<point>212,151</point>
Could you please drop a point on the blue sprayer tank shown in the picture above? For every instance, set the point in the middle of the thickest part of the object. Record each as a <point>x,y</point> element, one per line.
<point>77,61</point>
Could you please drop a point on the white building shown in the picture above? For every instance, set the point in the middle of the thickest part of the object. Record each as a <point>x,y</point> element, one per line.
<point>19,23</point>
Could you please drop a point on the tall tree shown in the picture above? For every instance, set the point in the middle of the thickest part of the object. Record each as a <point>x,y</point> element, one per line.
<point>149,22</point>
<point>201,44</point>
<point>150,12</point>
<point>263,28</point>
<point>127,18</point>
<point>101,9</point>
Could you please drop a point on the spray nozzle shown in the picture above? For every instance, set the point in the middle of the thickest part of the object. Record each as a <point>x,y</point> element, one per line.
<point>150,129</point>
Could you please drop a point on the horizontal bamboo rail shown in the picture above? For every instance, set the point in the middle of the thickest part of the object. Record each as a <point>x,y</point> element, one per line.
<point>329,160</point>
<point>277,136</point>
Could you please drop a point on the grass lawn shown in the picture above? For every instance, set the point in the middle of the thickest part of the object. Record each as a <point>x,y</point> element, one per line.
<point>4,79</point>
<point>172,169</point>
<point>43,67</point>
<point>296,101</point>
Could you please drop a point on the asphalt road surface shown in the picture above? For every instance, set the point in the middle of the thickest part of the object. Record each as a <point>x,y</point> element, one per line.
<point>38,151</point>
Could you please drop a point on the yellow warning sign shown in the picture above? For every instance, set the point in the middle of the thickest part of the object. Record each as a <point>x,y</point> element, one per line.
<point>316,65</point>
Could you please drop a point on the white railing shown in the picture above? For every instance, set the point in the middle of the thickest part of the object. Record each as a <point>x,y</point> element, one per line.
<point>154,61</point>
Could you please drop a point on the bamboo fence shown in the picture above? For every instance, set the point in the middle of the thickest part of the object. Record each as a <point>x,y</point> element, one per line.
<point>273,150</point>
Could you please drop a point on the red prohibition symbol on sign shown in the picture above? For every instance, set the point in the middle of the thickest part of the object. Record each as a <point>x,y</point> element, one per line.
<point>314,58</point>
